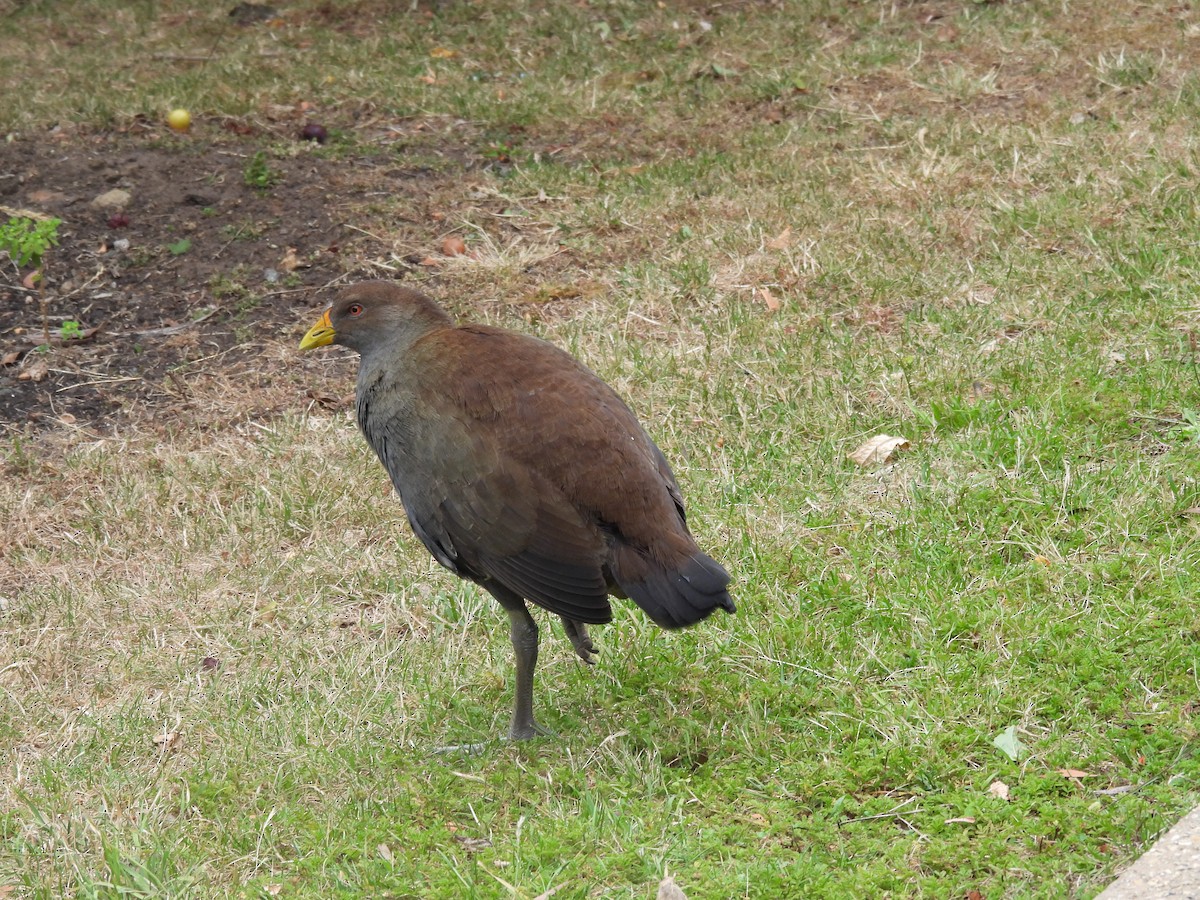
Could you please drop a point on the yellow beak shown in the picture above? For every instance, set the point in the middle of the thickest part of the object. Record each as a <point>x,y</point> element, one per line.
<point>320,334</point>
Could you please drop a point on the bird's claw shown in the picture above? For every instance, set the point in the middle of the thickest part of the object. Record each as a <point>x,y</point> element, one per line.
<point>580,640</point>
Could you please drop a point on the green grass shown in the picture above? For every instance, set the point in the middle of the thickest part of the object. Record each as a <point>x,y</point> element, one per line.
<point>993,252</point>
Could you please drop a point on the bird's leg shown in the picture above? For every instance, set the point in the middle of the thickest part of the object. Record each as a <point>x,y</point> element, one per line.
<point>580,640</point>
<point>524,634</point>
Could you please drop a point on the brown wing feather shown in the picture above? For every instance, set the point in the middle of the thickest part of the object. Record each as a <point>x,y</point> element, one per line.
<point>530,542</point>
<point>555,416</point>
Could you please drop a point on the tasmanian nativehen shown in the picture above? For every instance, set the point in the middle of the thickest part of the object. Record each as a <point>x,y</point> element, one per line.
<point>521,471</point>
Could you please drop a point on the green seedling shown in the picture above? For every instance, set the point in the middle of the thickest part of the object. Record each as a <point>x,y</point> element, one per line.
<point>258,174</point>
<point>27,240</point>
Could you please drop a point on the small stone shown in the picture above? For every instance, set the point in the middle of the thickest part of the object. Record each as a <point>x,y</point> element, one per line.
<point>114,199</point>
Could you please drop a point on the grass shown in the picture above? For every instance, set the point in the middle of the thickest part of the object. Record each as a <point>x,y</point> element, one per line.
<point>992,251</point>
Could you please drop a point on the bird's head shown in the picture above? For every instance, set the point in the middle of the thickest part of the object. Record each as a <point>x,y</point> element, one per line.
<point>375,314</point>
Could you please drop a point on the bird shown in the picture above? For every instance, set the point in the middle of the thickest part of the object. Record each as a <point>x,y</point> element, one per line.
<point>522,471</point>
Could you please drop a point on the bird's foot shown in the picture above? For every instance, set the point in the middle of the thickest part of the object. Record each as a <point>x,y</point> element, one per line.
<point>580,640</point>
<point>527,730</point>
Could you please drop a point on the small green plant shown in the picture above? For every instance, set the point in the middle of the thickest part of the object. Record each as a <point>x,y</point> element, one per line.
<point>258,174</point>
<point>499,151</point>
<point>231,285</point>
<point>1189,429</point>
<point>180,247</point>
<point>27,240</point>
<point>70,330</point>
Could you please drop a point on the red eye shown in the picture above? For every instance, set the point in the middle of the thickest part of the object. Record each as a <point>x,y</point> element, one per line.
<point>354,309</point>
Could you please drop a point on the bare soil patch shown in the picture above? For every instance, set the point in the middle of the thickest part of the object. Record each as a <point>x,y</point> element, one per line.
<point>200,285</point>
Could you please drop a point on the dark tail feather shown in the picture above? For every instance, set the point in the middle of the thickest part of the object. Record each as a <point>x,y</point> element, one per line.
<point>674,599</point>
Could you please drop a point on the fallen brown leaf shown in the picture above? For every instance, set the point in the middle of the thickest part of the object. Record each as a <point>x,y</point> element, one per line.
<point>35,372</point>
<point>42,197</point>
<point>1074,773</point>
<point>290,261</point>
<point>770,300</point>
<point>782,240</point>
<point>10,358</point>
<point>878,449</point>
<point>961,820</point>
<point>454,246</point>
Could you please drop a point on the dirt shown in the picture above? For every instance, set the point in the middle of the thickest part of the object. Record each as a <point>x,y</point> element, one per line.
<point>197,290</point>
